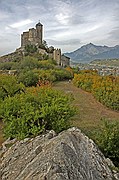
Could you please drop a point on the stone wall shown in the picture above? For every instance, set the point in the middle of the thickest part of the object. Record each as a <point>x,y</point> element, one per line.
<point>25,38</point>
<point>65,61</point>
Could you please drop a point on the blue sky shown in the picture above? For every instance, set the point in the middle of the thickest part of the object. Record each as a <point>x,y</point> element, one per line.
<point>68,24</point>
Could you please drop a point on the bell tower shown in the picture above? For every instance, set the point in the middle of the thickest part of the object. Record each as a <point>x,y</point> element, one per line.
<point>39,33</point>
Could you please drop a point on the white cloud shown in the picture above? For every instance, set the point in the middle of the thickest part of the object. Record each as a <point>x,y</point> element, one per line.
<point>63,18</point>
<point>73,22</point>
<point>21,23</point>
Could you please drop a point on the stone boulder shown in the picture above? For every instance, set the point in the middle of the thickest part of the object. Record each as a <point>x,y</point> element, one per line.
<point>68,156</point>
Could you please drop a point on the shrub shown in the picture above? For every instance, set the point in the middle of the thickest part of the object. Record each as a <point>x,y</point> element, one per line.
<point>105,89</point>
<point>28,78</point>
<point>40,109</point>
<point>6,65</point>
<point>29,63</point>
<point>108,140</point>
<point>30,48</point>
<point>53,75</point>
<point>62,74</point>
<point>9,86</point>
<point>46,64</point>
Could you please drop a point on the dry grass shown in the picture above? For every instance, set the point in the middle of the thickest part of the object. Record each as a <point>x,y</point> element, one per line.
<point>89,111</point>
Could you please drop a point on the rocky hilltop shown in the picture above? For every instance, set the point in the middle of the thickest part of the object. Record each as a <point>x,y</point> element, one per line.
<point>69,155</point>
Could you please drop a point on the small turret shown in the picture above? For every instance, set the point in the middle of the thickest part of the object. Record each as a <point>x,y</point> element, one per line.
<point>57,56</point>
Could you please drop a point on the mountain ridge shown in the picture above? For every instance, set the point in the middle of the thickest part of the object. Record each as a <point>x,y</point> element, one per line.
<point>90,52</point>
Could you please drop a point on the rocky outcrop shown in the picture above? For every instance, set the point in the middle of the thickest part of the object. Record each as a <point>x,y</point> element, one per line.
<point>68,156</point>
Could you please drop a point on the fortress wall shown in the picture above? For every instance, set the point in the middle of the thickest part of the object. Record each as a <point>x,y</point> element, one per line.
<point>32,36</point>
<point>24,38</point>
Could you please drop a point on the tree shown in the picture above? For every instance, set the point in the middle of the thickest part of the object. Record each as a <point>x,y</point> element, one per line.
<point>50,49</point>
<point>43,45</point>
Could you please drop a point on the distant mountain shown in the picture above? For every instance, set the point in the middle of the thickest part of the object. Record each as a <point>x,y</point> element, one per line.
<point>90,52</point>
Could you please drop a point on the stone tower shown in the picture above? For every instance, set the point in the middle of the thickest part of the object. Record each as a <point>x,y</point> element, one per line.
<point>33,36</point>
<point>57,56</point>
<point>24,39</point>
<point>39,32</point>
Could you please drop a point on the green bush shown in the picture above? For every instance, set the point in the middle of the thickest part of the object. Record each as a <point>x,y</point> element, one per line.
<point>30,48</point>
<point>108,140</point>
<point>28,78</point>
<point>46,64</point>
<point>46,75</point>
<point>40,109</point>
<point>53,75</point>
<point>29,63</point>
<point>9,86</point>
<point>6,65</point>
<point>62,74</point>
<point>104,88</point>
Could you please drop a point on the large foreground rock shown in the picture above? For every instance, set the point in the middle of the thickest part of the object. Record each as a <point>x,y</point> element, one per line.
<point>69,156</point>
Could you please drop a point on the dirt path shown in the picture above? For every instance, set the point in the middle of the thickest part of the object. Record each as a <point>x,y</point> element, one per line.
<point>90,112</point>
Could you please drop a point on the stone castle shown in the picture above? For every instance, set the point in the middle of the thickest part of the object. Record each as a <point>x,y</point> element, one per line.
<point>35,37</point>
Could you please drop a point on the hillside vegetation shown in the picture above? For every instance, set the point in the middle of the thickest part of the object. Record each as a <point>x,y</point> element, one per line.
<point>94,119</point>
<point>104,88</point>
<point>29,106</point>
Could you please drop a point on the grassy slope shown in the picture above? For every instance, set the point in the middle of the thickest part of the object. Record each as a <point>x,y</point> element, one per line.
<point>90,112</point>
